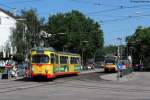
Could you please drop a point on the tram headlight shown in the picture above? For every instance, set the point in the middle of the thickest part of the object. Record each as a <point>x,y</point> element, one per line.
<point>46,70</point>
<point>32,69</point>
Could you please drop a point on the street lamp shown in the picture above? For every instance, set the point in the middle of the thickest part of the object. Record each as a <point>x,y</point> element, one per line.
<point>119,54</point>
<point>62,33</point>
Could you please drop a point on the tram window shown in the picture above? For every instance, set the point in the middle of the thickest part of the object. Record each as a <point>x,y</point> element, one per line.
<point>63,60</point>
<point>78,61</point>
<point>52,58</point>
<point>56,59</point>
<point>74,60</point>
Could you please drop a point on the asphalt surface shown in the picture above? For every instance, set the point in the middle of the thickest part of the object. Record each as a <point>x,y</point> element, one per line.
<point>87,86</point>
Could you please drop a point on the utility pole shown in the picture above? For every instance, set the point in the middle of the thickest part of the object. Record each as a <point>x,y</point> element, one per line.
<point>118,54</point>
<point>119,48</point>
<point>119,57</point>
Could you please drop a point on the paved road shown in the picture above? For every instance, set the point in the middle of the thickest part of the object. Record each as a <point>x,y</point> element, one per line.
<point>82,87</point>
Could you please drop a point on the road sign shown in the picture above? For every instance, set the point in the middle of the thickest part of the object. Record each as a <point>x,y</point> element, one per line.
<point>120,66</point>
<point>8,66</point>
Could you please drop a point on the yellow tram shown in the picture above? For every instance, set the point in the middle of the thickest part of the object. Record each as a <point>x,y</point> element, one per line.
<point>46,62</point>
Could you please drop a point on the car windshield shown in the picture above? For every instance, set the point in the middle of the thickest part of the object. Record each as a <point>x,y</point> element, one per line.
<point>40,59</point>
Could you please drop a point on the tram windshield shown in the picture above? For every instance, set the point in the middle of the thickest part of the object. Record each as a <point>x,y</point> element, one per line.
<point>40,59</point>
<point>110,62</point>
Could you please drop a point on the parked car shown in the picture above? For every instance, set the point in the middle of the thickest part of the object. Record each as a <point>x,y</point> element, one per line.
<point>90,66</point>
<point>138,67</point>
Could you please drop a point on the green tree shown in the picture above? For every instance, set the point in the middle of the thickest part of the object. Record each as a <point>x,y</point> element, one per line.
<point>26,34</point>
<point>82,34</point>
<point>110,50</point>
<point>139,43</point>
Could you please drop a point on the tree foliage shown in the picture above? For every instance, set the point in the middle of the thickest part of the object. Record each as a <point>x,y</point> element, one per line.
<point>139,44</point>
<point>110,50</point>
<point>26,34</point>
<point>82,34</point>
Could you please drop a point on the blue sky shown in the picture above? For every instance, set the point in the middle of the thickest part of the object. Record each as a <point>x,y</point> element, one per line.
<point>118,18</point>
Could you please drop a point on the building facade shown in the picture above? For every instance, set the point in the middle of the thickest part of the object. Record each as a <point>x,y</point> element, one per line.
<point>7,24</point>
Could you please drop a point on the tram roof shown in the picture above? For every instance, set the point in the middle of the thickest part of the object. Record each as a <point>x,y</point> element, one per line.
<point>43,49</point>
<point>68,53</point>
<point>53,50</point>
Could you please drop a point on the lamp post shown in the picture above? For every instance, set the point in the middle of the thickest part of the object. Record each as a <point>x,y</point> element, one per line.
<point>82,55</point>
<point>119,54</point>
<point>131,55</point>
<point>96,51</point>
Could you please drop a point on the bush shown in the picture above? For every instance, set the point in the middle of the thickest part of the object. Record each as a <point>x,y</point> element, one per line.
<point>2,69</point>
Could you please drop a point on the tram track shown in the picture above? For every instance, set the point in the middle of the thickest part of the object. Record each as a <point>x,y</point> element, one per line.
<point>22,86</point>
<point>81,82</point>
<point>14,85</point>
<point>110,88</point>
<point>88,85</point>
<point>10,86</point>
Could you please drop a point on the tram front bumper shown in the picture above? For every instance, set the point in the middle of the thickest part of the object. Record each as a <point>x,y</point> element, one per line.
<point>43,75</point>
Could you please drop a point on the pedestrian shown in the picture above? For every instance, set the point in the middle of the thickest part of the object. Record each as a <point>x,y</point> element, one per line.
<point>14,72</point>
<point>9,73</point>
<point>26,72</point>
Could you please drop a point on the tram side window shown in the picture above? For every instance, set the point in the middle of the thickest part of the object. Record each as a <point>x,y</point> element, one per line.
<point>52,58</point>
<point>74,60</point>
<point>56,59</point>
<point>63,60</point>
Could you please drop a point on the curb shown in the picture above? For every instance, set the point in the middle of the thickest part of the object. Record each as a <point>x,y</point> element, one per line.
<point>91,71</point>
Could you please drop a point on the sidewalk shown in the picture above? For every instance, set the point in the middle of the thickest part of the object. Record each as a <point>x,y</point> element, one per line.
<point>92,70</point>
<point>113,77</point>
<point>82,72</point>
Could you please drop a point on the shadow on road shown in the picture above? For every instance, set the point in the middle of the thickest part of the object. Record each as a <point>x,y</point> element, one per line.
<point>25,79</point>
<point>43,79</point>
